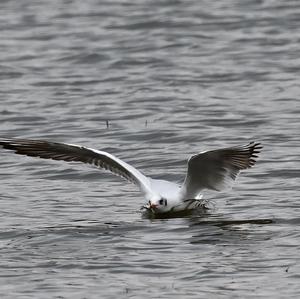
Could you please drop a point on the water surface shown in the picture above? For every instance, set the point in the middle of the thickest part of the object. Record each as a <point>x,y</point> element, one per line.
<point>170,78</point>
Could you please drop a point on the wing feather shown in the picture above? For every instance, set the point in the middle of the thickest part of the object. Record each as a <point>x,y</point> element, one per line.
<point>76,153</point>
<point>217,169</point>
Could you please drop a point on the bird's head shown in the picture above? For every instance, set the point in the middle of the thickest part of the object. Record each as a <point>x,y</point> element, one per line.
<point>158,204</point>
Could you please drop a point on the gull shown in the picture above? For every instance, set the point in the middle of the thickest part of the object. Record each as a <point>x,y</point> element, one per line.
<point>214,169</point>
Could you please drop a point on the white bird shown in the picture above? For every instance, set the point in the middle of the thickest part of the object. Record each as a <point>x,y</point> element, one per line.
<point>215,169</point>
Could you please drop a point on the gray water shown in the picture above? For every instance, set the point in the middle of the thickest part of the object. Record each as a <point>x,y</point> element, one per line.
<point>171,78</point>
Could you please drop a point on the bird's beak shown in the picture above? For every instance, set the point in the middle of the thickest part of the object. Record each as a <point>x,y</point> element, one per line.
<point>152,206</point>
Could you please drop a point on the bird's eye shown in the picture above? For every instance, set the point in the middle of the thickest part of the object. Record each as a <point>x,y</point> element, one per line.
<point>163,201</point>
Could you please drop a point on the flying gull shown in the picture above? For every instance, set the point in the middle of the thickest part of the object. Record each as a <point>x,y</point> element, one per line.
<point>215,170</point>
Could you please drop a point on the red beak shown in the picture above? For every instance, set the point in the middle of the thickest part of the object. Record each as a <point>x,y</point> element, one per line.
<point>153,206</point>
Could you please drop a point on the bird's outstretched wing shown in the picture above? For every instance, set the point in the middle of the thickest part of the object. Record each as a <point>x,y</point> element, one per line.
<point>71,152</point>
<point>217,169</point>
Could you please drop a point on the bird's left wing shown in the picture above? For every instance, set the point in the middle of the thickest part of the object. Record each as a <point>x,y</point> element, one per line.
<point>217,169</point>
<point>70,152</point>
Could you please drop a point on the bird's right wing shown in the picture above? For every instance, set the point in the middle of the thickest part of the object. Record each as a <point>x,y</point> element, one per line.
<point>71,152</point>
<point>217,169</point>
